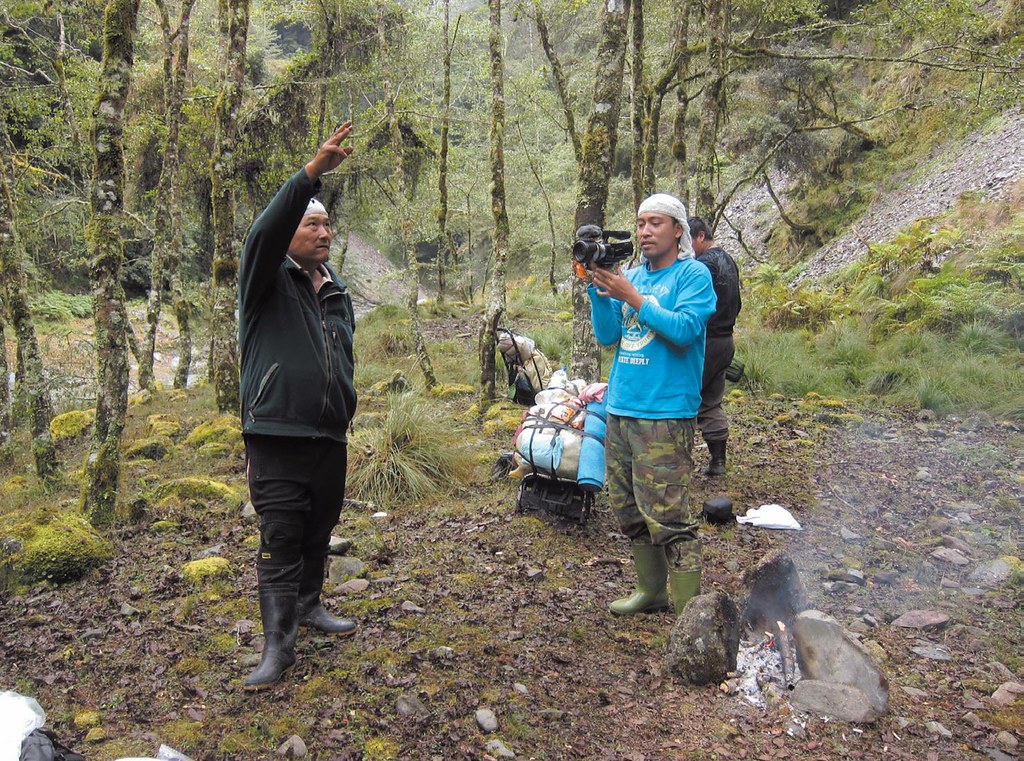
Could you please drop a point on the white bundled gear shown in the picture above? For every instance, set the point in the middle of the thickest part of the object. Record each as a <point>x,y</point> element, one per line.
<point>528,368</point>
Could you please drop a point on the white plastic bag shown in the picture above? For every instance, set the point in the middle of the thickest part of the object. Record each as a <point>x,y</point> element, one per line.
<point>770,516</point>
<point>20,716</point>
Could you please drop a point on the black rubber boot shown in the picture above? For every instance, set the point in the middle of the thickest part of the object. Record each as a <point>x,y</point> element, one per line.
<point>277,609</point>
<point>717,466</point>
<point>311,610</point>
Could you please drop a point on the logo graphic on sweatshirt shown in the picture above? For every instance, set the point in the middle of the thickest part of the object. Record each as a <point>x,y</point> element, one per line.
<point>634,336</point>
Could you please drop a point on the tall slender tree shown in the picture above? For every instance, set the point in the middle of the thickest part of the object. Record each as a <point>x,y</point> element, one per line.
<point>595,169</point>
<point>494,307</point>
<point>404,192</point>
<point>224,345</point>
<point>15,296</point>
<point>106,247</point>
<point>705,160</point>
<point>167,246</point>
<point>6,429</point>
<point>444,238</point>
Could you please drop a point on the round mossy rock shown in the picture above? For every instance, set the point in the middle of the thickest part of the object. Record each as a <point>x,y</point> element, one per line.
<point>223,429</point>
<point>162,425</point>
<point>215,449</point>
<point>195,488</point>
<point>87,719</point>
<point>447,390</point>
<point>198,571</point>
<point>152,448</point>
<point>64,549</point>
<point>71,425</point>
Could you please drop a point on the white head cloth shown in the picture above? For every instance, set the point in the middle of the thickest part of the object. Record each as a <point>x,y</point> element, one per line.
<point>670,206</point>
<point>315,207</point>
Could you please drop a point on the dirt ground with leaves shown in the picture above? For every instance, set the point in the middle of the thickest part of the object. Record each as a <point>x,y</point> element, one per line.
<point>470,605</point>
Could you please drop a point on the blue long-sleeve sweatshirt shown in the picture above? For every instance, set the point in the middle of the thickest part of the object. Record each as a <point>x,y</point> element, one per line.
<point>659,361</point>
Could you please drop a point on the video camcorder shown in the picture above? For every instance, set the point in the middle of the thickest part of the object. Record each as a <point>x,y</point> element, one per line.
<point>595,247</point>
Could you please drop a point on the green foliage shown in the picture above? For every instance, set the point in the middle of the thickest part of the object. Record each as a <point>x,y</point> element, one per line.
<point>414,451</point>
<point>60,307</point>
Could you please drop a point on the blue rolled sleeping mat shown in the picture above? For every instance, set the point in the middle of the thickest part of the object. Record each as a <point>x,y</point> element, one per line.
<point>590,475</point>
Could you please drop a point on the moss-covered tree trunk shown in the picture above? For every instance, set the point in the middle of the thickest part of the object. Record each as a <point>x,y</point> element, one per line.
<point>494,307</point>
<point>404,191</point>
<point>649,98</point>
<point>713,106</point>
<point>6,429</point>
<point>224,346</point>
<point>15,298</point>
<point>682,75</point>
<point>443,236</point>
<point>166,256</point>
<point>559,78</point>
<point>595,170</point>
<point>106,250</point>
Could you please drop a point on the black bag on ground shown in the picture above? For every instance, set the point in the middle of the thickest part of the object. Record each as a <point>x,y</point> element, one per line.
<point>555,499</point>
<point>43,745</point>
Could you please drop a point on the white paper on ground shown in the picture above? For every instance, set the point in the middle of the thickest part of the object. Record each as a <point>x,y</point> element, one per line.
<point>770,516</point>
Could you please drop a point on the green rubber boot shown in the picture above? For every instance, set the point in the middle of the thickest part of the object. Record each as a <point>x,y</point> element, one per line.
<point>683,585</point>
<point>651,572</point>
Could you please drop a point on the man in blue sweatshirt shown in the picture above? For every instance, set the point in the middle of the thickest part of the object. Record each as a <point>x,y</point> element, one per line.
<point>656,315</point>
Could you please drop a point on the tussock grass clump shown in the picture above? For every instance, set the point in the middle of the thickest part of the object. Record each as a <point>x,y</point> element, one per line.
<point>414,451</point>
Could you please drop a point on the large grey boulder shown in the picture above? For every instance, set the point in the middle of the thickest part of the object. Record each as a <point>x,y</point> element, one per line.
<point>705,639</point>
<point>829,654</point>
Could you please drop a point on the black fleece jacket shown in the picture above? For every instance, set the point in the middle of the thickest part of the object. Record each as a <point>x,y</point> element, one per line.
<point>296,344</point>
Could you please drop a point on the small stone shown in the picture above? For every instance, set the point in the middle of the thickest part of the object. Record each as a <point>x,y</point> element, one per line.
<point>932,652</point>
<point>936,524</point>
<point>95,735</point>
<point>343,568</point>
<point>849,536</point>
<point>379,515</point>
<point>410,607</point>
<point>520,688</point>
<point>923,474</point>
<point>128,610</point>
<point>915,693</point>
<point>249,513</point>
<point>921,619</point>
<point>498,749</point>
<point>869,620</point>
<point>1007,741</point>
<point>354,586</point>
<point>936,728</point>
<point>886,578</point>
<point>339,546</point>
<point>854,576</point>
<point>956,543</point>
<point>973,719</point>
<point>858,627</point>
<point>947,555</point>
<point>410,705</point>
<point>293,747</point>
<point>840,587</point>
<point>991,574</point>
<point>486,720</point>
<point>442,653</point>
<point>551,714</point>
<point>535,574</point>
<point>1007,693</point>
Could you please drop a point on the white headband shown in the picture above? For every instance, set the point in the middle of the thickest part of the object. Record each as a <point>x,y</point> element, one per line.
<point>670,206</point>
<point>315,207</point>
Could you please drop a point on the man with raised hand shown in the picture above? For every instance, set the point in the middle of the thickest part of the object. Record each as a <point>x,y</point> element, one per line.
<point>655,314</point>
<point>295,328</point>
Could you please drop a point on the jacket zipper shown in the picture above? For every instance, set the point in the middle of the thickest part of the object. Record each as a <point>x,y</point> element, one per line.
<point>262,389</point>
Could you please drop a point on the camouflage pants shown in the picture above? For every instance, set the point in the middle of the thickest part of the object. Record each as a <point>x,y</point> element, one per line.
<point>648,465</point>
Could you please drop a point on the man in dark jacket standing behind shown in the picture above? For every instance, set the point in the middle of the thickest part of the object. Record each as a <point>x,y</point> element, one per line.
<point>719,349</point>
<point>295,329</point>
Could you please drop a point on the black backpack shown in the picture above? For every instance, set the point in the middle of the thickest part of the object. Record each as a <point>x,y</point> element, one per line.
<point>43,745</point>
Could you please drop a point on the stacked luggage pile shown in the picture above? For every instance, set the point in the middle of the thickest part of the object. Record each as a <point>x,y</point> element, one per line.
<point>559,447</point>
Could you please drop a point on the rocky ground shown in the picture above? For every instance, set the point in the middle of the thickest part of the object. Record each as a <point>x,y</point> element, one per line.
<point>479,625</point>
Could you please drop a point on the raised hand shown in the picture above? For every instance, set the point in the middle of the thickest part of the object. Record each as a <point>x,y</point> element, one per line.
<point>331,153</point>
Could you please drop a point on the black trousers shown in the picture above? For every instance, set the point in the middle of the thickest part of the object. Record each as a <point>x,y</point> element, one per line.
<point>711,419</point>
<point>297,486</point>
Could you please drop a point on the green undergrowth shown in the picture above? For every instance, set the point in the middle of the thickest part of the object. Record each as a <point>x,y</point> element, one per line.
<point>933,319</point>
